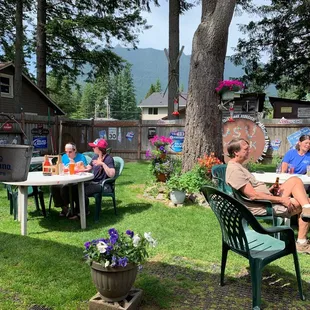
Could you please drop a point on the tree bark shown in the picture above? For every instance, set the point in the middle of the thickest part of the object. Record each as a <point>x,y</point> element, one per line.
<point>18,59</point>
<point>203,125</point>
<point>41,45</point>
<point>174,46</point>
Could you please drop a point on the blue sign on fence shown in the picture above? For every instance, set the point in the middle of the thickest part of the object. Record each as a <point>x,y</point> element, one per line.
<point>177,140</point>
<point>294,137</point>
<point>39,142</point>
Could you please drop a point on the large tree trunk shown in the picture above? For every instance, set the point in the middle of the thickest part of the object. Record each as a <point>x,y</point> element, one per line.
<point>174,44</point>
<point>41,45</point>
<point>203,127</point>
<point>18,61</point>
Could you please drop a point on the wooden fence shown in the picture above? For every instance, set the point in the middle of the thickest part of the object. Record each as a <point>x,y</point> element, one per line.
<point>128,139</point>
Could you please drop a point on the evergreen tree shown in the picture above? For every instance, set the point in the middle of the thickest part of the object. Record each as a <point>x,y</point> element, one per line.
<point>158,86</point>
<point>88,101</point>
<point>280,35</point>
<point>150,91</point>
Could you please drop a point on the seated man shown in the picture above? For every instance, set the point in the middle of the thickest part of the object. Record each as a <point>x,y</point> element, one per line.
<point>292,197</point>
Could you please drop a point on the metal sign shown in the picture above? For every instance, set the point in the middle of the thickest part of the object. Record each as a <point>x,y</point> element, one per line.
<point>112,133</point>
<point>7,127</point>
<point>303,112</point>
<point>40,131</point>
<point>40,142</point>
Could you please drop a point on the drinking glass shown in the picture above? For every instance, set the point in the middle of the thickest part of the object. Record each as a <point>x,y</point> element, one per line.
<point>71,168</point>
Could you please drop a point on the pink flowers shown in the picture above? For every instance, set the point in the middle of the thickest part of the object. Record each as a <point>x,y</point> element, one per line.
<point>160,141</point>
<point>229,85</point>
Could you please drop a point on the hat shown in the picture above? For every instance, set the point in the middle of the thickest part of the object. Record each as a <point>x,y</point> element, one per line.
<point>100,143</point>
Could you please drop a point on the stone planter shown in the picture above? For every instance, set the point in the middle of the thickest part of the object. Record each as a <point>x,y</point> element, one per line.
<point>177,197</point>
<point>113,284</point>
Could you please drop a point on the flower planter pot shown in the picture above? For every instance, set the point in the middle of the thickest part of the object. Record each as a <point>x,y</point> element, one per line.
<point>177,197</point>
<point>161,177</point>
<point>113,284</point>
<point>228,95</point>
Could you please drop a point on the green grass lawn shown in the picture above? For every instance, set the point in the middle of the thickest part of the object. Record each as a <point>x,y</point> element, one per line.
<point>46,267</point>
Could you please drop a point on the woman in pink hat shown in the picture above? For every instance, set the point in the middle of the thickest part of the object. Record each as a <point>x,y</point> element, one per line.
<point>102,166</point>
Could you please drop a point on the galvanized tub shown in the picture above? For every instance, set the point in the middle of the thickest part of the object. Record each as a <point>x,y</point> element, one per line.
<point>14,162</point>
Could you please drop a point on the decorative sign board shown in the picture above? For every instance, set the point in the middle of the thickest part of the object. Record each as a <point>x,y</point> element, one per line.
<point>248,128</point>
<point>303,112</point>
<point>7,127</point>
<point>177,140</point>
<point>40,131</point>
<point>286,109</point>
<point>294,137</point>
<point>39,142</point>
<point>112,133</point>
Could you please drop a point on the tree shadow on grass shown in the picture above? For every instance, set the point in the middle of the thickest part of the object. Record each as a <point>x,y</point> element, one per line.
<point>175,287</point>
<point>54,275</point>
<point>107,216</point>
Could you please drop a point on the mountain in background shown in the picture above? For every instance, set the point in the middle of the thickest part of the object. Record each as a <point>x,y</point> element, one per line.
<point>149,64</point>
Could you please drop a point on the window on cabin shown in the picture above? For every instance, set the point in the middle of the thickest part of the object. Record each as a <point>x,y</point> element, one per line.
<point>153,111</point>
<point>6,83</point>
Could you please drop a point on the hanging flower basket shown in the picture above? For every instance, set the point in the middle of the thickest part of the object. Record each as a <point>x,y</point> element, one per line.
<point>228,95</point>
<point>227,88</point>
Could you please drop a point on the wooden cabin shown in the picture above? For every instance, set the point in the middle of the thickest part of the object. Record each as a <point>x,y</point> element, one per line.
<point>290,108</point>
<point>33,100</point>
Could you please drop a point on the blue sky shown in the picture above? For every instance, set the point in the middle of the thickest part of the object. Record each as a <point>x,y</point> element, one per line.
<point>157,36</point>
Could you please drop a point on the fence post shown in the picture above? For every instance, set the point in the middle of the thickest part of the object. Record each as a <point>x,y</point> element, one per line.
<point>139,138</point>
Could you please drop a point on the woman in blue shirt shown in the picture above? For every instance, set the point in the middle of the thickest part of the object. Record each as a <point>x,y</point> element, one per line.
<point>299,158</point>
<point>60,193</point>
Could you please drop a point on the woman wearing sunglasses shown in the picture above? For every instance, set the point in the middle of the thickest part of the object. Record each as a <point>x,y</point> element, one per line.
<point>60,193</point>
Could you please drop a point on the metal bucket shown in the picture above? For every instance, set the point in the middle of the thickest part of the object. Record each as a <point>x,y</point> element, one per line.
<point>14,162</point>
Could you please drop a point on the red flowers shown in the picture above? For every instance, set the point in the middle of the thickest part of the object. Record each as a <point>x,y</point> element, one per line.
<point>207,162</point>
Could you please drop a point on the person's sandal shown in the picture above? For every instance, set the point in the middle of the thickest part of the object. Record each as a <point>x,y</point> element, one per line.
<point>305,215</point>
<point>64,212</point>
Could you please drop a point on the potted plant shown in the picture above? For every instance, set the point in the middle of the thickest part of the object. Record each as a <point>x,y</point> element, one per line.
<point>189,182</point>
<point>227,88</point>
<point>114,261</point>
<point>161,164</point>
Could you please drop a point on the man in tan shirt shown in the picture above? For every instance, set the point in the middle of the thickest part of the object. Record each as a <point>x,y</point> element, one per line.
<point>292,197</point>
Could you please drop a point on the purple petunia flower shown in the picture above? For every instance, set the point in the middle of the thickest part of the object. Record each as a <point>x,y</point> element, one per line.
<point>112,232</point>
<point>87,245</point>
<point>114,261</point>
<point>148,154</point>
<point>123,262</point>
<point>130,233</point>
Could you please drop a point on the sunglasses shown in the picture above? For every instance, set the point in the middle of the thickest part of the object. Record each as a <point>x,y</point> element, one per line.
<point>69,152</point>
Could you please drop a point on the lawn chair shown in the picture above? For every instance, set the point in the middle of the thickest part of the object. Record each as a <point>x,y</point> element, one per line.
<point>256,244</point>
<point>276,220</point>
<point>219,175</point>
<point>119,165</point>
<point>33,191</point>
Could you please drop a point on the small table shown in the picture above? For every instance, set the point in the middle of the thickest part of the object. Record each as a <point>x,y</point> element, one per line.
<point>38,179</point>
<point>270,177</point>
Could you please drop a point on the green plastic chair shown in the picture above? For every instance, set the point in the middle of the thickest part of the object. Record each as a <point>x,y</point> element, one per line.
<point>33,191</point>
<point>119,166</point>
<point>219,175</point>
<point>256,244</point>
